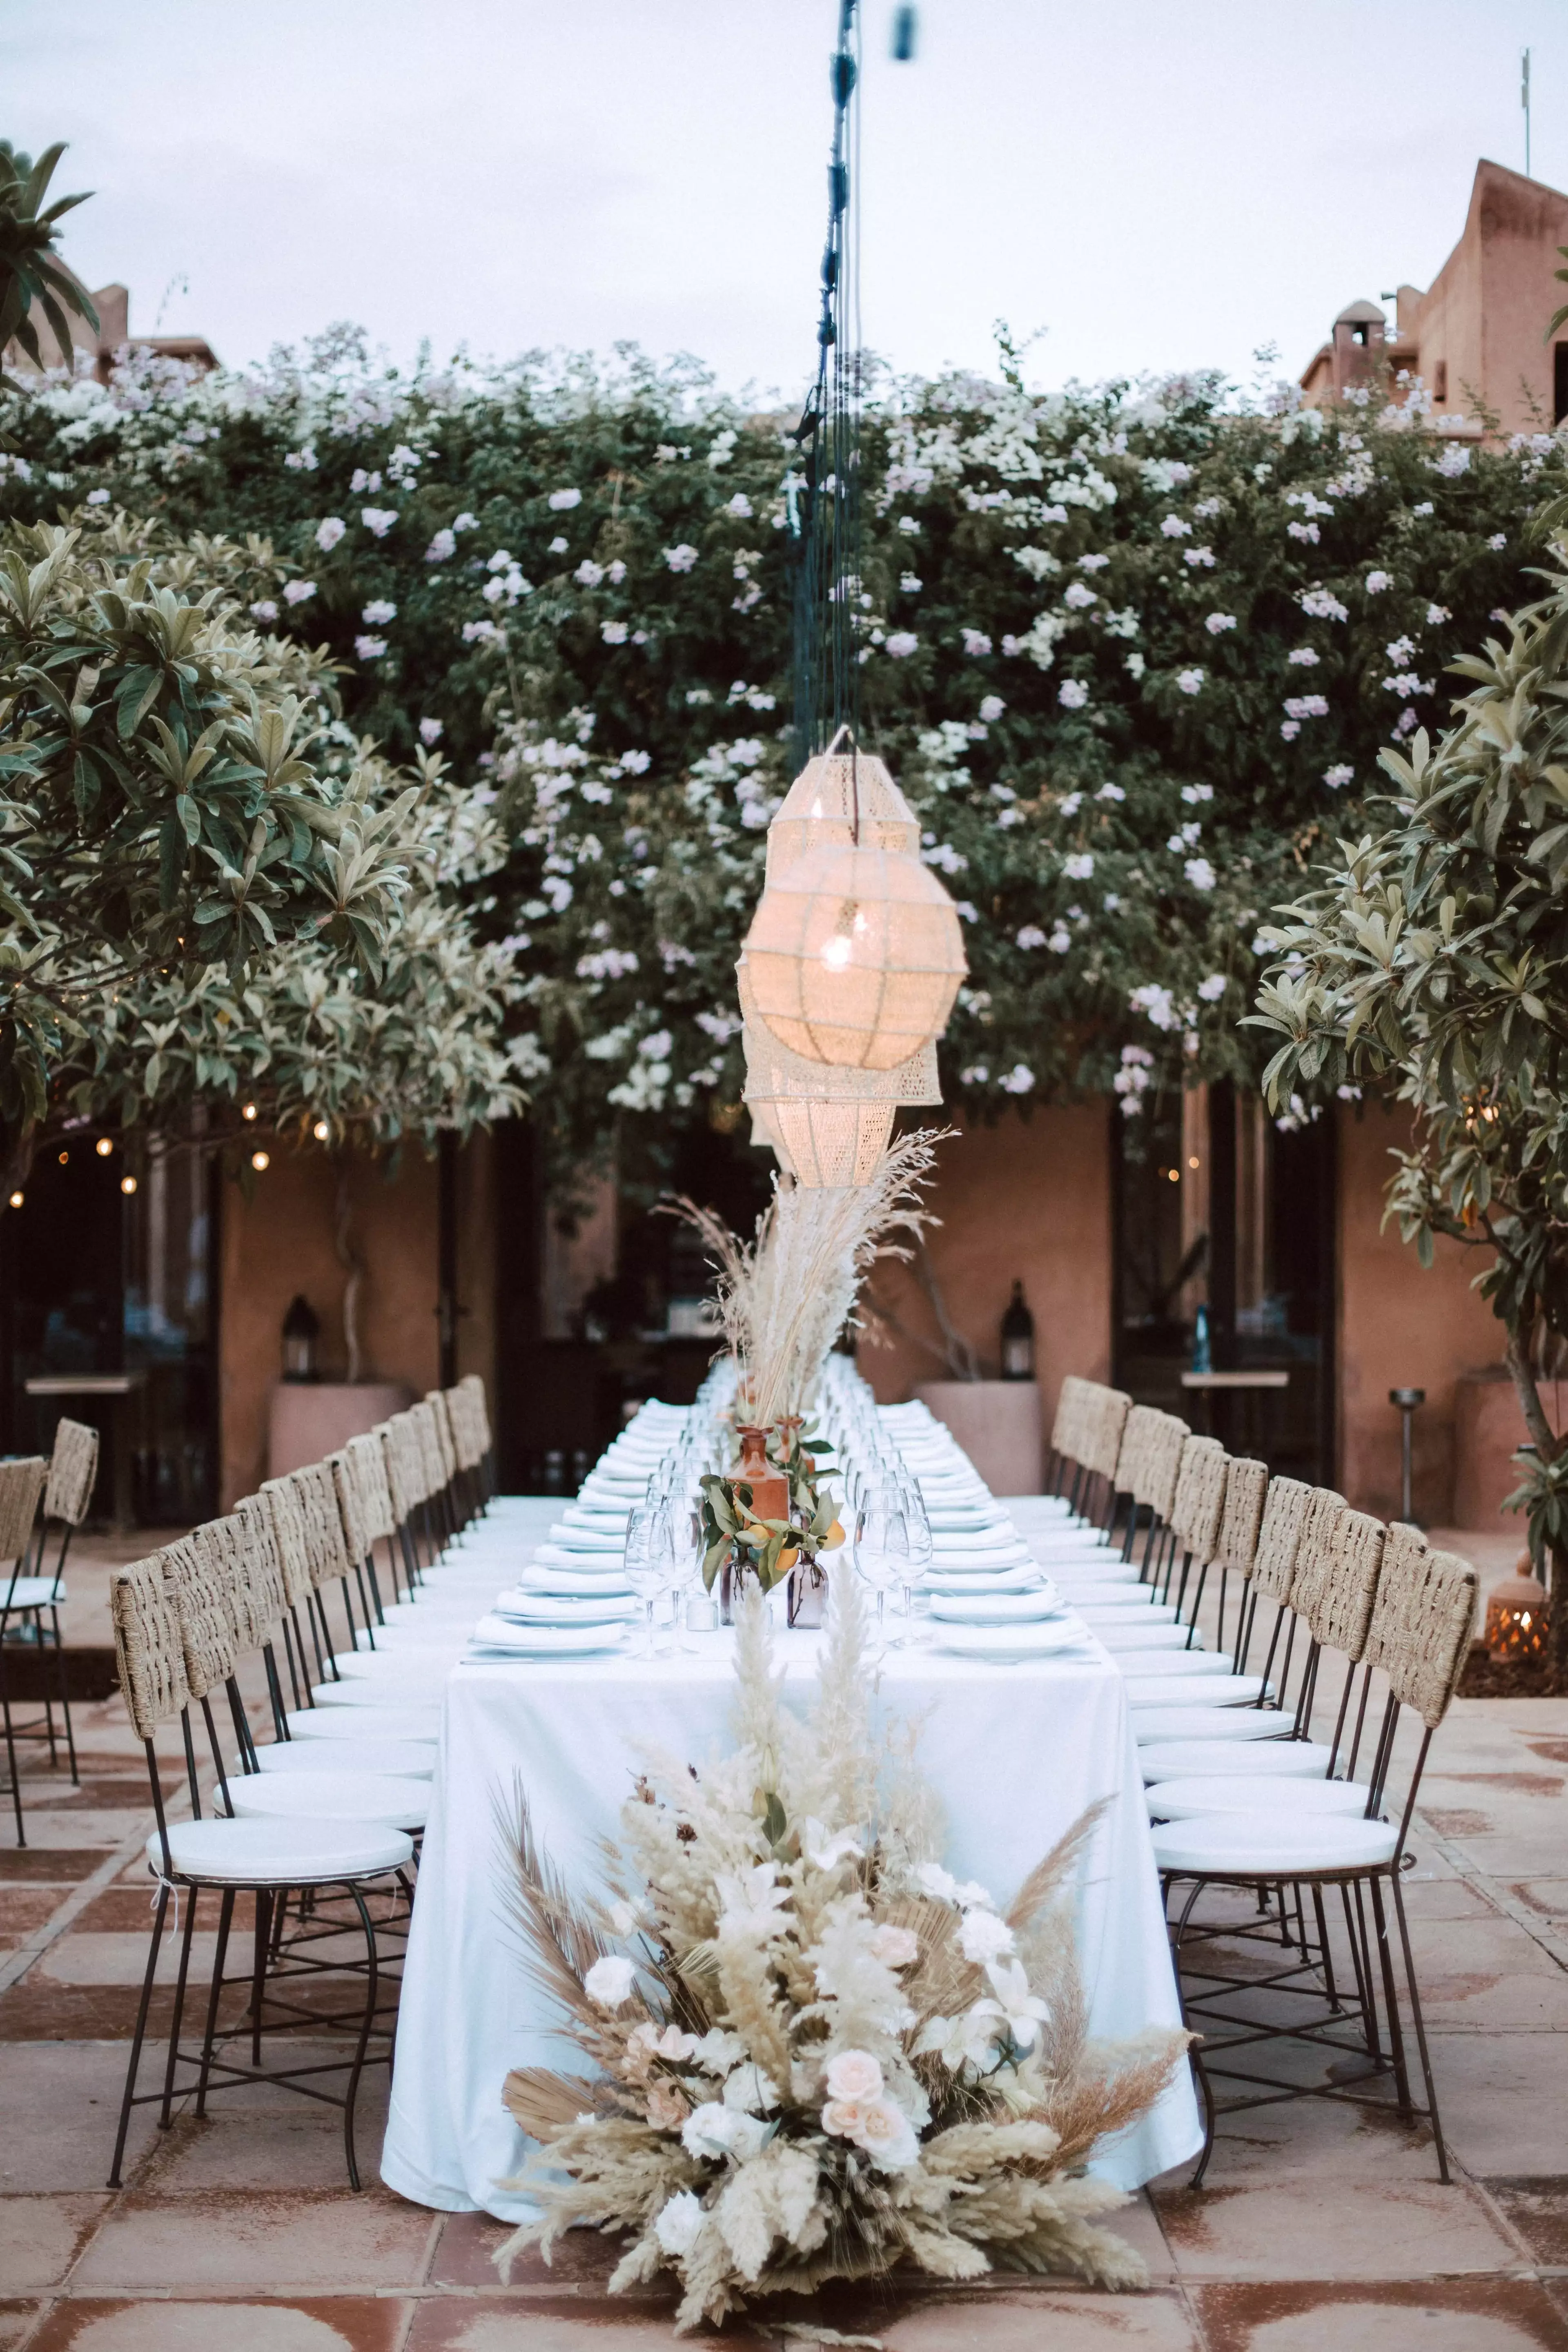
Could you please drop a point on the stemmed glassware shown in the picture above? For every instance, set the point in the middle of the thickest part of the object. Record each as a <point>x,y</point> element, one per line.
<point>646,1560</point>
<point>921,1554</point>
<point>882,1547</point>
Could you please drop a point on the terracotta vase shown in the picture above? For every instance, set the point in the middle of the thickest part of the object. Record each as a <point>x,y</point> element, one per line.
<point>770,1487</point>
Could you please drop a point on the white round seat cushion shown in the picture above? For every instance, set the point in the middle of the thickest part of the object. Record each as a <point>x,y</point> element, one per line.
<point>1280,1798</point>
<point>413,1759</point>
<point>1147,1687</point>
<point>1181,1760</point>
<point>1120,1632</point>
<point>281,1852</point>
<point>1251,1845</point>
<point>1125,1608</point>
<point>1160,1720</point>
<point>30,1592</point>
<point>416,1692</point>
<point>413,1662</point>
<point>1145,1658</point>
<point>332,1796</point>
<point>422,1723</point>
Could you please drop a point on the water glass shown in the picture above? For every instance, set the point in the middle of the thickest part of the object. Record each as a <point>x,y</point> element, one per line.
<point>882,1547</point>
<point>646,1554</point>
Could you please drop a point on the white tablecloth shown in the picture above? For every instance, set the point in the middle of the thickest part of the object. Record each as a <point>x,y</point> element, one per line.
<point>1014,1752</point>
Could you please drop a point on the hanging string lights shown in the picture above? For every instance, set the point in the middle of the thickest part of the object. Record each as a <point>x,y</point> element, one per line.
<point>855,953</point>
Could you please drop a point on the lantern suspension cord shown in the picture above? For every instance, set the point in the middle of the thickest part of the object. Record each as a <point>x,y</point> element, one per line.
<point>827,573</point>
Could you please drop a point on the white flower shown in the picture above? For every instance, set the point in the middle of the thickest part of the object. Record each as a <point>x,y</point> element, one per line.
<point>1194,794</point>
<point>1019,1079</point>
<point>748,2090</point>
<point>1212,989</point>
<point>1093,563</point>
<point>615,572</point>
<point>1136,665</point>
<point>378,521</point>
<point>975,641</point>
<point>677,2224</point>
<point>1399,653</point>
<point>1157,1002</point>
<point>714,2130</point>
<point>1322,604</point>
<point>1059,941</point>
<point>1376,582</point>
<point>825,1852</point>
<point>1189,681</point>
<point>370,649</point>
<point>264,609</point>
<point>901,643</point>
<point>984,1937</point>
<point>1290,728</point>
<point>739,506</point>
<point>98,498</point>
<point>959,2041</point>
<point>937,1882</point>
<point>610,1981</point>
<point>557,547</point>
<point>888,2135</point>
<point>1022,2012</point>
<point>1200,872</point>
<point>656,1047</point>
<point>329,532</point>
<point>613,632</point>
<point>894,1946</point>
<point>1072,694</point>
<point>854,2074</point>
<point>1436,615</point>
<point>562,501</point>
<point>911,584</point>
<point>588,573</point>
<point>1498,541</point>
<point>976,1075</point>
<point>443,545</point>
<point>1199,555</point>
<point>1076,595</point>
<point>1080,865</point>
<point>360,480</point>
<point>681,558</point>
<point>717,2051</point>
<point>1306,706</point>
<point>465,522</point>
<point>991,708</point>
<point>1304,656</point>
<point>380,609</point>
<point>752,1900</point>
<point>1342,773</point>
<point>298,592</point>
<point>430,730</point>
<point>1455,459</point>
<point>1031,936</point>
<point>1174,528</point>
<point>1218,622</point>
<point>907,525</point>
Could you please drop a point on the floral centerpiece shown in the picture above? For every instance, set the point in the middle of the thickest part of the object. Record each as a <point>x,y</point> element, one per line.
<point>814,2055</point>
<point>737,1537</point>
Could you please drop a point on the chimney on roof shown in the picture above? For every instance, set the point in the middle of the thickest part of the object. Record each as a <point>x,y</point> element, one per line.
<point>1357,342</point>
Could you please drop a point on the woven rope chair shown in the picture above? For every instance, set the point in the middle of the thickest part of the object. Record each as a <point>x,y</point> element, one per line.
<point>316,1489</point>
<point>1235,1547</point>
<point>467,1451</point>
<point>366,1458</point>
<point>73,1472</point>
<point>1061,1451</point>
<point>1197,1510</point>
<point>1105,1420</point>
<point>474,1387</point>
<point>406,1475</point>
<point>1417,1610</point>
<point>30,1605</point>
<point>1158,1465</point>
<point>1274,1562</point>
<point>168,1611</point>
<point>422,1423</point>
<point>292,1540</point>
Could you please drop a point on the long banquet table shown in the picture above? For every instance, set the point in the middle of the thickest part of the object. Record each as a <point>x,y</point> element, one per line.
<point>1015,1752</point>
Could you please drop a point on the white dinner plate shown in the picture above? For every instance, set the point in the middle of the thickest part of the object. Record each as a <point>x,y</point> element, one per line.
<point>993,1607</point>
<point>498,1637</point>
<point>590,1582</point>
<point>1011,1644</point>
<point>565,1609</point>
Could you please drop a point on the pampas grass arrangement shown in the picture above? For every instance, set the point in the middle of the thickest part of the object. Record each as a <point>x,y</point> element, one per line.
<point>813,2055</point>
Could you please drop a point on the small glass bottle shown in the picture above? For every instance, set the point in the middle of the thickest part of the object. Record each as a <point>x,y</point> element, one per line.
<point>1202,1344</point>
<point>1018,1338</point>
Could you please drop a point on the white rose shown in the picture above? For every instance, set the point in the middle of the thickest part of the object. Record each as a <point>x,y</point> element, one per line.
<point>894,1946</point>
<point>984,1937</point>
<point>679,2223</point>
<point>854,2076</point>
<point>609,1980</point>
<point>888,2135</point>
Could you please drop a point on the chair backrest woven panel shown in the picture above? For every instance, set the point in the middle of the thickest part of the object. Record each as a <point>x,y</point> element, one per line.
<point>1405,1553</point>
<point>1278,1536</point>
<point>1315,1553</point>
<point>289,1535</point>
<point>263,1589</point>
<point>147,1645</point>
<point>73,1467</point>
<point>199,1593</point>
<point>1062,1427</point>
<point>369,1464</point>
<point>346,1485</point>
<point>1437,1618</point>
<point>1133,1459</point>
<point>1245,1484</point>
<point>395,1462</point>
<point>1341,1618</point>
<point>220,1547</point>
<point>1199,1506</point>
<point>459,1422</point>
<point>1163,1464</point>
<point>1104,1442</point>
<point>21,1484</point>
<point>423,1417</point>
<point>323,1522</point>
<point>436,1402</point>
<point>476,1387</point>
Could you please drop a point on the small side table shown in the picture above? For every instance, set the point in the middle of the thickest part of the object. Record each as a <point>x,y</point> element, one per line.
<point>117,1388</point>
<point>1212,1384</point>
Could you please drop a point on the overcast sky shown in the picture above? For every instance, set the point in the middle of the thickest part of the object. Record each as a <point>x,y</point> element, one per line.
<point>1156,187</point>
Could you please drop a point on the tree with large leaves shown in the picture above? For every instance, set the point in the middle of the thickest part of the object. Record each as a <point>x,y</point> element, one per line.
<point>1432,962</point>
<point>31,271</point>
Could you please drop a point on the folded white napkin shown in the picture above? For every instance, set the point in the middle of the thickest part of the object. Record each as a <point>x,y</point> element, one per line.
<point>993,1607</point>
<point>565,1609</point>
<point>503,1638</point>
<point>538,1578</point>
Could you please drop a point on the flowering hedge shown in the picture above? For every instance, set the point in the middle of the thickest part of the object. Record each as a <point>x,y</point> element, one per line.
<point>1132,654</point>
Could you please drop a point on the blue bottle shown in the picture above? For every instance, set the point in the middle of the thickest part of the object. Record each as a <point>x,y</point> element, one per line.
<point>1203,1351</point>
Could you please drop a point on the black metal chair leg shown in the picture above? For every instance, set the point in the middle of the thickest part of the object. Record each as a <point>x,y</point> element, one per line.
<point>139,2036</point>
<point>225,1920</point>
<point>259,1968</point>
<point>1395,2029</point>
<point>65,1699</point>
<point>1420,2025</point>
<point>166,2110</point>
<point>366,2022</point>
<point>1331,1988</point>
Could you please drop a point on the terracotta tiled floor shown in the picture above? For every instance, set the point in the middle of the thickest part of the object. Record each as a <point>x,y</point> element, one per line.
<point>1321,2228</point>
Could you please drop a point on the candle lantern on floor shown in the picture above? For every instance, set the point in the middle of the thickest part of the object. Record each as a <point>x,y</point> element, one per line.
<point>301,1329</point>
<point>1517,1615</point>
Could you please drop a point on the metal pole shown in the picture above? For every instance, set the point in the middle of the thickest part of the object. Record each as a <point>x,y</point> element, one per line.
<point>1407,1400</point>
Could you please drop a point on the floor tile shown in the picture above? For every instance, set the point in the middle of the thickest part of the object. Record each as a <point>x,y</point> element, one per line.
<point>121,1959</point>
<point>1504,2101</point>
<point>458,2325</point>
<point>35,1864</point>
<point>60,2103</point>
<point>23,1910</point>
<point>15,2320</point>
<point>43,2236</point>
<point>268,2238</point>
<point>297,2146</point>
<point>330,2324</point>
<point>1045,2319</point>
<point>1493,2314</point>
<point>1538,2208</point>
<point>1360,2230</point>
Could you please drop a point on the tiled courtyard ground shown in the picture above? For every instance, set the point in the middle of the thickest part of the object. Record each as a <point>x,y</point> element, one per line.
<point>1321,2226</point>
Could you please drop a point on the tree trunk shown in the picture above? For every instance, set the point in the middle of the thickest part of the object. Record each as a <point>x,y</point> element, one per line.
<point>1548,1446</point>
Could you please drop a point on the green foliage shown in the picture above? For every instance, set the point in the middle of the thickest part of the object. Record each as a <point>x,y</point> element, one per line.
<point>31,271</point>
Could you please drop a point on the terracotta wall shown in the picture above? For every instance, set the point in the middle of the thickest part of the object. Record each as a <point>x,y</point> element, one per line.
<point>1400,1326</point>
<point>1031,1200</point>
<point>280,1242</point>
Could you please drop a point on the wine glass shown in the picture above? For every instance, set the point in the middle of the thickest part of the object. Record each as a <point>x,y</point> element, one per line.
<point>646,1549</point>
<point>882,1547</point>
<point>922,1554</point>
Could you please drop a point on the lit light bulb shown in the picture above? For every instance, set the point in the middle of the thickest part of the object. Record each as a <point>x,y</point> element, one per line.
<point>249,1111</point>
<point>260,1160</point>
<point>15,1200</point>
<point>320,1130</point>
<point>104,1147</point>
<point>128,1184</point>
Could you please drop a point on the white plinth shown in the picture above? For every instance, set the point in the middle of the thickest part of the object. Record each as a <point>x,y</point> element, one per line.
<point>997,1422</point>
<point>310,1419</point>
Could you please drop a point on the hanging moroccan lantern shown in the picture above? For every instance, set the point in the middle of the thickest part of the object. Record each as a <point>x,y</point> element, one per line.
<point>838,797</point>
<point>855,957</point>
<point>824,1121</point>
<point>765,1136</point>
<point>834,1144</point>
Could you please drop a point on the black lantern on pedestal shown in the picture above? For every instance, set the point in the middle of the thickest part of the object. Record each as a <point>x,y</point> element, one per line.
<point>301,1329</point>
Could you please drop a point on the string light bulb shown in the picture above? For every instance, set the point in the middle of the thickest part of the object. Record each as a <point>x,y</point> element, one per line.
<point>320,1130</point>
<point>104,1147</point>
<point>16,1199</point>
<point>249,1111</point>
<point>128,1184</point>
<point>260,1160</point>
